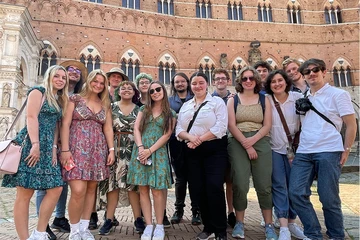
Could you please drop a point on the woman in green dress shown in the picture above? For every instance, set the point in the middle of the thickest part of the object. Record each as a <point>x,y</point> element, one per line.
<point>149,165</point>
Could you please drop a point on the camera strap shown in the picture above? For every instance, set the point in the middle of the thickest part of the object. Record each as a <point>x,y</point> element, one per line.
<point>322,115</point>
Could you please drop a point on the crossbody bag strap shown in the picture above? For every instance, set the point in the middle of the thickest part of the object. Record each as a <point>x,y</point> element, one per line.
<point>18,116</point>
<point>195,114</point>
<point>283,121</point>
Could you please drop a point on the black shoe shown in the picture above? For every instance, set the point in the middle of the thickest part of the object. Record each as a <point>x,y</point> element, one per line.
<point>196,218</point>
<point>139,225</point>
<point>204,236</point>
<point>61,224</point>
<point>105,229</point>
<point>176,218</point>
<point>114,221</point>
<point>166,222</point>
<point>93,221</point>
<point>52,236</point>
<point>231,220</point>
<point>220,236</point>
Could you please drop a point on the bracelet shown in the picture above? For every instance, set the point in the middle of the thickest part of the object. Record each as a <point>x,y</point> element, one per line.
<point>111,149</point>
<point>34,143</point>
<point>55,146</point>
<point>65,151</point>
<point>150,150</point>
<point>140,146</point>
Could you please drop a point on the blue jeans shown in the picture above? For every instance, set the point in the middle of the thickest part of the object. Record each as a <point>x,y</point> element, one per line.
<point>326,166</point>
<point>280,186</point>
<point>61,204</point>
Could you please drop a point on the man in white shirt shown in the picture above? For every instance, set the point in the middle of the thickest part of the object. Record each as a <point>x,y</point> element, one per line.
<point>321,152</point>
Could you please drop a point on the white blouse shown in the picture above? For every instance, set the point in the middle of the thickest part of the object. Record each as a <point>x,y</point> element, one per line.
<point>279,141</point>
<point>212,117</point>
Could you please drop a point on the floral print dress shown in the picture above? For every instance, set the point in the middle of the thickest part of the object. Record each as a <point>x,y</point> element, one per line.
<point>43,175</point>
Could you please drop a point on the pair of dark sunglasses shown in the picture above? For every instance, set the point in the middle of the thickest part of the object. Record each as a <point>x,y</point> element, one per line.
<point>307,71</point>
<point>244,79</point>
<point>152,91</point>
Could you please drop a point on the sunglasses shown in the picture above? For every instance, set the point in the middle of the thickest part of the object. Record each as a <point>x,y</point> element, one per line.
<point>307,71</point>
<point>152,91</point>
<point>70,69</point>
<point>244,79</point>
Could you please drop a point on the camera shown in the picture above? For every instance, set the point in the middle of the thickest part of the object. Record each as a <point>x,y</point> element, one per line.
<point>302,105</point>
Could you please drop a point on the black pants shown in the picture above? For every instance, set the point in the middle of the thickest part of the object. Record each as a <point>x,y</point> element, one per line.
<point>181,180</point>
<point>206,168</point>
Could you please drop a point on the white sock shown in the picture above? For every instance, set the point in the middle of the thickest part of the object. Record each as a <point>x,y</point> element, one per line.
<point>39,233</point>
<point>284,228</point>
<point>75,227</point>
<point>159,226</point>
<point>84,224</point>
<point>148,229</point>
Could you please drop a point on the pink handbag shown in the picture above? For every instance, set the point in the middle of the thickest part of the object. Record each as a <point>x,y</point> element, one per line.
<point>10,152</point>
<point>10,155</point>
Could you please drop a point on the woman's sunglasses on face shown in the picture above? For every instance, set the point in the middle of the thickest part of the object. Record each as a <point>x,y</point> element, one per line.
<point>152,91</point>
<point>307,71</point>
<point>245,79</point>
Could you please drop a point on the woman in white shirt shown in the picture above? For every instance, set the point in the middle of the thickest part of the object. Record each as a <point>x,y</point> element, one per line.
<point>206,153</point>
<point>277,86</point>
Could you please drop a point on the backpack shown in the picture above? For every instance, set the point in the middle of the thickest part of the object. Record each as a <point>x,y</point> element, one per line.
<point>261,98</point>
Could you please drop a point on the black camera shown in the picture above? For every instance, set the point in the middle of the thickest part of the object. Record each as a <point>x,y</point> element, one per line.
<point>302,105</point>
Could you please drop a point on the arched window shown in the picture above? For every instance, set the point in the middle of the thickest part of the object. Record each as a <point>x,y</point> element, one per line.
<point>203,9</point>
<point>48,58</point>
<point>294,15</point>
<point>90,57</point>
<point>166,72</point>
<point>130,64</point>
<point>264,13</point>
<point>333,15</point>
<point>235,11</point>
<point>166,7</point>
<point>133,4</point>
<point>237,65</point>
<point>207,70</point>
<point>342,77</point>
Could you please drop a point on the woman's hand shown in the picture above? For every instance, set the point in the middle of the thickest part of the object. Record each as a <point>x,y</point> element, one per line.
<point>145,155</point>
<point>54,157</point>
<point>65,158</point>
<point>195,140</point>
<point>191,145</point>
<point>248,142</point>
<point>252,153</point>
<point>34,155</point>
<point>110,158</point>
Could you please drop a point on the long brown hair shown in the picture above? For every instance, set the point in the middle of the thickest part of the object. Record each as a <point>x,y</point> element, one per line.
<point>165,108</point>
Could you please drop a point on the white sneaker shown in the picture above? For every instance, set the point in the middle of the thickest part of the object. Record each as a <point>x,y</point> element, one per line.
<point>296,231</point>
<point>284,234</point>
<point>74,236</point>
<point>147,233</point>
<point>159,233</point>
<point>275,219</point>
<point>262,223</point>
<point>86,235</point>
<point>35,235</point>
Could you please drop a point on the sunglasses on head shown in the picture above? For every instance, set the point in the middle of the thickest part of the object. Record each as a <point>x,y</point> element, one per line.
<point>152,91</point>
<point>307,71</point>
<point>244,79</point>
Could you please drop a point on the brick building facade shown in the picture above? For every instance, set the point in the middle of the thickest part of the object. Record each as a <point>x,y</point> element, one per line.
<point>162,37</point>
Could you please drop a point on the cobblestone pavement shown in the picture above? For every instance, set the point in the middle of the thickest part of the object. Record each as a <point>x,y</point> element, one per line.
<point>349,188</point>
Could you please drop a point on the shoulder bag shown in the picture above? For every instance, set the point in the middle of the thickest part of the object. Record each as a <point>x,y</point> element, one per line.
<point>10,152</point>
<point>293,143</point>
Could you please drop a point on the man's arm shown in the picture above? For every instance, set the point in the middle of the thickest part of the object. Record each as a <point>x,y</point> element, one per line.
<point>350,134</point>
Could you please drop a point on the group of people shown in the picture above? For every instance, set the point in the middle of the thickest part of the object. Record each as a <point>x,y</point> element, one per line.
<point>100,132</point>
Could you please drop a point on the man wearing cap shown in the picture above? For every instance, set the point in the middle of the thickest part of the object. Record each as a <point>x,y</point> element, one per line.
<point>77,75</point>
<point>115,76</point>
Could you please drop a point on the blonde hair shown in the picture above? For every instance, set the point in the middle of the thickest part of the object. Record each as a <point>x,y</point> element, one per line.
<point>104,95</point>
<point>60,101</point>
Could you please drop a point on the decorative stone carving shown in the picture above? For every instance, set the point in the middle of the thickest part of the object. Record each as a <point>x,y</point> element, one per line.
<point>223,60</point>
<point>254,55</point>
<point>6,95</point>
<point>3,126</point>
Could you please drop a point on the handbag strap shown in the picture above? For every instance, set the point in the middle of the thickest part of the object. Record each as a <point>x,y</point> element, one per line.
<point>195,114</point>
<point>18,115</point>
<point>283,121</point>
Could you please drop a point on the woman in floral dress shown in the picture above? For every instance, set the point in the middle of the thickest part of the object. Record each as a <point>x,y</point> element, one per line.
<point>87,149</point>
<point>115,189</point>
<point>39,168</point>
<point>149,165</point>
